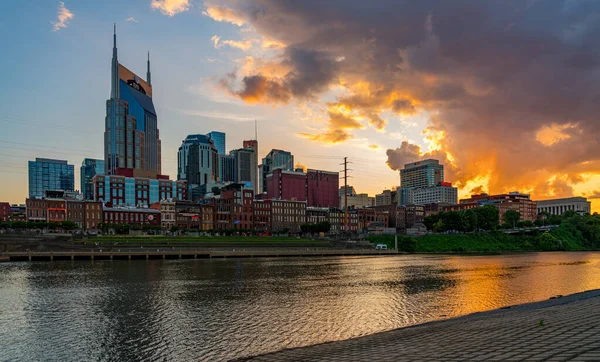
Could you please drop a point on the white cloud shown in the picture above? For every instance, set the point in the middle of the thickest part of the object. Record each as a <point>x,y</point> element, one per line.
<point>63,17</point>
<point>240,44</point>
<point>221,13</point>
<point>171,7</point>
<point>132,20</point>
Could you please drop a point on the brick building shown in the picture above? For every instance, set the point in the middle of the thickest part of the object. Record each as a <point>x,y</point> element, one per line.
<point>167,213</point>
<point>322,188</point>
<point>337,219</point>
<point>93,215</point>
<point>286,185</point>
<point>233,208</point>
<point>367,216</point>
<point>262,216</point>
<point>512,201</point>
<point>4,212</point>
<point>131,216</point>
<point>287,214</point>
<point>193,216</point>
<point>315,215</point>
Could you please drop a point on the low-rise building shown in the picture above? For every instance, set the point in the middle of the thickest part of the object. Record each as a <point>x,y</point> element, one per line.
<point>4,211</point>
<point>131,216</point>
<point>315,215</point>
<point>287,215</point>
<point>385,198</point>
<point>193,216</point>
<point>560,206</point>
<point>167,213</point>
<point>516,201</point>
<point>262,216</point>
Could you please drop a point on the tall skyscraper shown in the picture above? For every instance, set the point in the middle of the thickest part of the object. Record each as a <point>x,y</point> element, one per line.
<point>253,145</point>
<point>226,168</point>
<point>274,160</point>
<point>131,137</point>
<point>218,139</point>
<point>183,153</point>
<point>245,165</point>
<point>202,163</point>
<point>48,174</point>
<point>89,168</point>
<point>422,174</point>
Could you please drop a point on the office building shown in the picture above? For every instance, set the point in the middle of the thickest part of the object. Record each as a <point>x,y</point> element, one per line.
<point>131,137</point>
<point>89,168</point>
<point>183,152</point>
<point>287,215</point>
<point>219,140</point>
<point>136,191</point>
<point>443,193</point>
<point>422,174</point>
<point>253,145</point>
<point>226,168</point>
<point>286,185</point>
<point>48,174</point>
<point>274,160</point>
<point>560,206</point>
<point>245,165</point>
<point>385,198</point>
<point>322,188</point>
<point>202,163</point>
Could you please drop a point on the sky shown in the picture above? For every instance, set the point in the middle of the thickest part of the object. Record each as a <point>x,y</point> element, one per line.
<point>504,93</point>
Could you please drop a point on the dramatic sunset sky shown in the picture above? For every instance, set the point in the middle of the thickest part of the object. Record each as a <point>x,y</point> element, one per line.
<point>505,93</point>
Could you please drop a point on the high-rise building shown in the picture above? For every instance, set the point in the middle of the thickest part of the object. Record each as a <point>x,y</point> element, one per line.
<point>245,165</point>
<point>422,174</point>
<point>253,145</point>
<point>426,173</point>
<point>48,174</point>
<point>89,168</point>
<point>131,137</point>
<point>274,160</point>
<point>202,163</point>
<point>226,168</point>
<point>218,139</point>
<point>184,150</point>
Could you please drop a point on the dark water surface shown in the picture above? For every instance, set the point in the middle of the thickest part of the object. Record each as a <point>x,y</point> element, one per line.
<point>196,310</point>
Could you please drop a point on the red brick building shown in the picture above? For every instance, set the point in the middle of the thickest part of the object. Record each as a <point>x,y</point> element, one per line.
<point>262,216</point>
<point>233,208</point>
<point>367,216</point>
<point>4,212</point>
<point>512,201</point>
<point>322,188</point>
<point>286,185</point>
<point>93,215</point>
<point>130,216</point>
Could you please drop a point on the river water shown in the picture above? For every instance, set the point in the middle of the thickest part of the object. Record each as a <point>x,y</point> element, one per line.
<point>195,310</point>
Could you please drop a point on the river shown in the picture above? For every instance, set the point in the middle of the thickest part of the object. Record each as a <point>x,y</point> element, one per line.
<point>195,310</point>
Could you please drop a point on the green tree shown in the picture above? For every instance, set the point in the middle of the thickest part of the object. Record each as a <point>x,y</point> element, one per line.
<point>487,217</point>
<point>511,218</point>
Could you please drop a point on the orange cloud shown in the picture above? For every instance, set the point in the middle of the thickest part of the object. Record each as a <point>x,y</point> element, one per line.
<point>549,135</point>
<point>332,136</point>
<point>170,7</point>
<point>63,17</point>
<point>221,13</point>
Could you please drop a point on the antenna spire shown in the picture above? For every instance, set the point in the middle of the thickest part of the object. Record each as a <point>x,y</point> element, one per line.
<point>114,90</point>
<point>148,76</point>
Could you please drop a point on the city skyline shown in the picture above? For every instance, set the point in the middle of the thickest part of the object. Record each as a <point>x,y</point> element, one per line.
<point>196,45</point>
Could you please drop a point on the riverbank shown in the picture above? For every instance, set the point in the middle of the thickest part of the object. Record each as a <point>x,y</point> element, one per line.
<point>560,329</point>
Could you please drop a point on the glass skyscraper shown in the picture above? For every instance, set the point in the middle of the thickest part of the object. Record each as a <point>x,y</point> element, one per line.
<point>48,174</point>
<point>218,139</point>
<point>131,136</point>
<point>90,168</point>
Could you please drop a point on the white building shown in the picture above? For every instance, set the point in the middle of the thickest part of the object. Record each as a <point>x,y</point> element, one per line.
<point>357,201</point>
<point>384,198</point>
<point>559,206</point>
<point>441,194</point>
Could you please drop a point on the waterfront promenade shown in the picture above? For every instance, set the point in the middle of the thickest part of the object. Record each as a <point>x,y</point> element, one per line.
<point>561,329</point>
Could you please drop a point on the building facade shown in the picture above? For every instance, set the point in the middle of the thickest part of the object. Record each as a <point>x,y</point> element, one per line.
<point>516,201</point>
<point>245,165</point>
<point>274,160</point>
<point>167,213</point>
<point>560,206</point>
<point>422,174</point>
<point>219,140</point>
<point>322,188</point>
<point>48,174</point>
<point>184,151</point>
<point>89,168</point>
<point>136,191</point>
<point>131,137</point>
<point>253,145</point>
<point>131,216</point>
<point>287,215</point>
<point>4,212</point>
<point>443,193</point>
<point>194,216</point>
<point>286,185</point>
<point>202,163</point>
<point>385,198</point>
<point>226,168</point>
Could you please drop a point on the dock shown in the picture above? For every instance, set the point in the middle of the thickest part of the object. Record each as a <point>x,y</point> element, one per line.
<point>148,254</point>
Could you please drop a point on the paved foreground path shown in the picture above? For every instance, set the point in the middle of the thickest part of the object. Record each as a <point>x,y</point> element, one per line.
<point>570,331</point>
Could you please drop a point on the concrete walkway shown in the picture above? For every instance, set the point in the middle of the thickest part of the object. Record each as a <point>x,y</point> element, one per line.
<point>560,329</point>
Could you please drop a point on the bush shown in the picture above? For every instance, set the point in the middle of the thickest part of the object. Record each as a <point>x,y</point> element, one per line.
<point>547,242</point>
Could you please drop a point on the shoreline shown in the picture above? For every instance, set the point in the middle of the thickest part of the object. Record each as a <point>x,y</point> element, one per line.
<point>542,330</point>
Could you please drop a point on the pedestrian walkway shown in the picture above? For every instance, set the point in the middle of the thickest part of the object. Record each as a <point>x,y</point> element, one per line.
<point>561,329</point>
